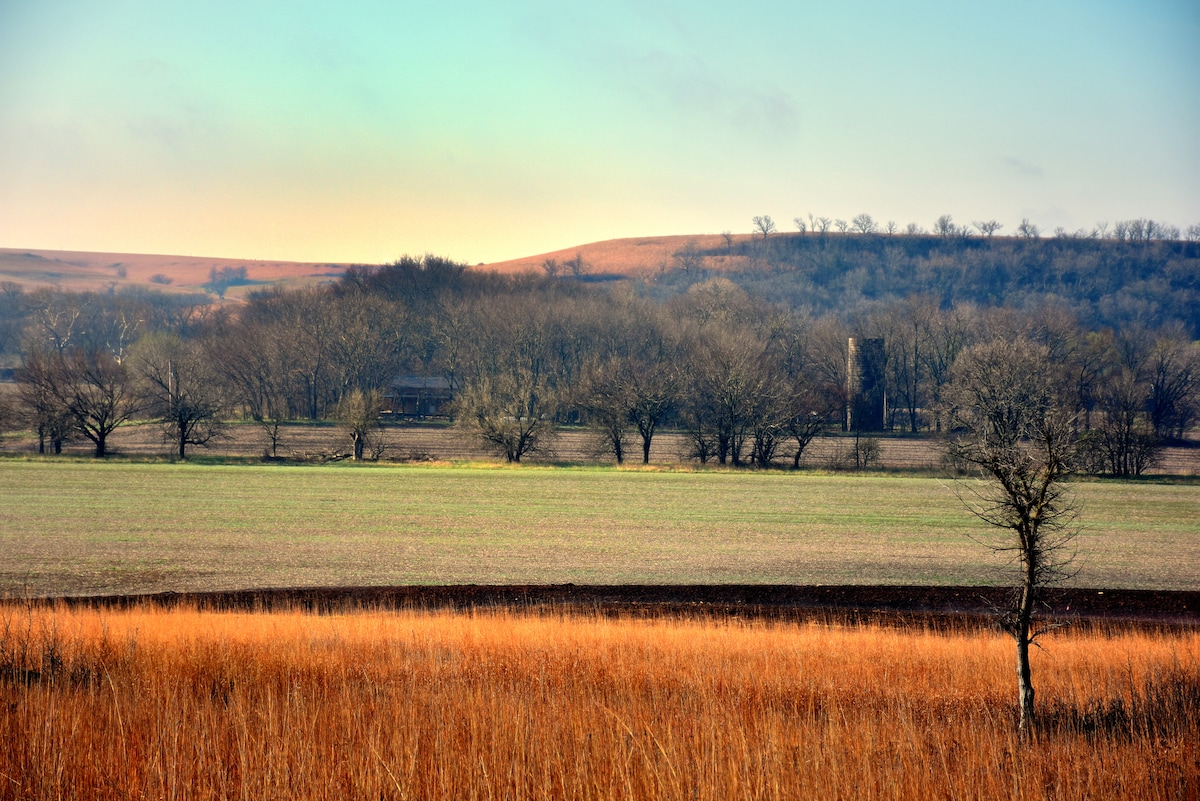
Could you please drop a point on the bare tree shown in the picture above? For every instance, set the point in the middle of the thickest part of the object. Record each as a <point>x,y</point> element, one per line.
<point>91,389</point>
<point>1027,230</point>
<point>809,412</point>
<point>890,228</point>
<point>689,258</point>
<point>801,225</point>
<point>509,393</point>
<point>864,224</point>
<point>359,411</point>
<point>41,407</point>
<point>841,225</point>
<point>604,396</point>
<point>181,390</point>
<point>944,226</point>
<point>764,226</point>
<point>988,227</point>
<point>253,359</point>
<point>1123,440</point>
<point>577,266</point>
<point>1175,384</point>
<point>511,412</point>
<point>653,394</point>
<point>1011,425</point>
<point>730,379</point>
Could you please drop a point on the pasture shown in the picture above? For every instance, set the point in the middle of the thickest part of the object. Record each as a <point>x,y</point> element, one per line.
<point>151,703</point>
<point>77,527</point>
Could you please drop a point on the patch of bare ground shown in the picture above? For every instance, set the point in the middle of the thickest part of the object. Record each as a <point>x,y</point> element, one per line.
<point>899,605</point>
<point>421,442</point>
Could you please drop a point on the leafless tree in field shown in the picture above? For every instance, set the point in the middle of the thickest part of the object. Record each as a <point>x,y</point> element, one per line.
<point>764,226</point>
<point>1027,230</point>
<point>944,226</point>
<point>689,258</point>
<point>512,412</point>
<point>864,224</point>
<point>89,388</point>
<point>1010,423</point>
<point>181,389</point>
<point>988,227</point>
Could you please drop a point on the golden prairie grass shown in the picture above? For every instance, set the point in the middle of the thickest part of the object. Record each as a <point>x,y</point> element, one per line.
<point>176,704</point>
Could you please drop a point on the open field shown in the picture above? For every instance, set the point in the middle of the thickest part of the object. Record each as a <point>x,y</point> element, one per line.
<point>84,527</point>
<point>82,271</point>
<point>182,704</point>
<point>641,257</point>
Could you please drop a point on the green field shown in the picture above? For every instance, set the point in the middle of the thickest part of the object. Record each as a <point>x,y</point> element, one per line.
<point>81,527</point>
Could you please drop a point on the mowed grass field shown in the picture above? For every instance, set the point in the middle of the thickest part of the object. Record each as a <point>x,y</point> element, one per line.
<point>70,527</point>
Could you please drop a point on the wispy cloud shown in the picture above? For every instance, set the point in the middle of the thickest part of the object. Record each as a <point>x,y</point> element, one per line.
<point>676,80</point>
<point>1022,167</point>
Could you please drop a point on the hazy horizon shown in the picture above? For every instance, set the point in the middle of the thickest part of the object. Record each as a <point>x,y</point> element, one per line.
<point>326,132</point>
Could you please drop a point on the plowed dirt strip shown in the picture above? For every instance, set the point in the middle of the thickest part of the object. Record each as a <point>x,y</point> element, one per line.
<point>925,606</point>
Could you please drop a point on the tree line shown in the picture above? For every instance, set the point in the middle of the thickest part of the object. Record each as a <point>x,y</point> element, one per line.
<point>1136,272</point>
<point>745,380</point>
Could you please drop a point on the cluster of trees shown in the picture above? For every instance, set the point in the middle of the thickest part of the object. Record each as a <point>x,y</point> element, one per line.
<point>1140,229</point>
<point>1121,278</point>
<point>749,382</point>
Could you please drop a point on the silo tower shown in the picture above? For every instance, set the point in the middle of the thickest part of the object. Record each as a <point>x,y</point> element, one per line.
<point>866,390</point>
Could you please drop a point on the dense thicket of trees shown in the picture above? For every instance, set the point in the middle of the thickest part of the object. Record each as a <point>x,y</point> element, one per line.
<point>750,369</point>
<point>1109,283</point>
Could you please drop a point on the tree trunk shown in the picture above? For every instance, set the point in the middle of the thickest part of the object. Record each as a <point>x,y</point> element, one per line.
<point>182,445</point>
<point>1024,686</point>
<point>101,451</point>
<point>646,448</point>
<point>1022,634</point>
<point>359,442</point>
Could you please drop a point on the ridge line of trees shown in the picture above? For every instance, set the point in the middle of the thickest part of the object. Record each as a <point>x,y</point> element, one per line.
<point>748,382</point>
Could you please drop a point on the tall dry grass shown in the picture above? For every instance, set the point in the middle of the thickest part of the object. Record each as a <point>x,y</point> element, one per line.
<point>154,703</point>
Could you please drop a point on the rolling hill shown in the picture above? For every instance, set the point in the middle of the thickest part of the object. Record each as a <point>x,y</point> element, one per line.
<point>99,272</point>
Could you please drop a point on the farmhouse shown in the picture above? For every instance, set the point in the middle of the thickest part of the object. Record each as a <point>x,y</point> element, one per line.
<point>418,396</point>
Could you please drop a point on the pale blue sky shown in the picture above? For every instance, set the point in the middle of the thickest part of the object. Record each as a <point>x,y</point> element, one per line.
<point>341,131</point>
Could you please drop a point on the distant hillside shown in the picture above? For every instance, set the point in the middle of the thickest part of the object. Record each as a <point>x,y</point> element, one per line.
<point>643,257</point>
<point>1107,283</point>
<point>78,271</point>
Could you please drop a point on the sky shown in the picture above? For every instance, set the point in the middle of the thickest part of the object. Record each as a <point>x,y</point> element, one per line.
<point>485,131</point>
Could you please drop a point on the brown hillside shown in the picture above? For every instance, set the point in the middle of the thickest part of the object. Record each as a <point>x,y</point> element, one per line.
<point>99,272</point>
<point>84,271</point>
<point>638,257</point>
